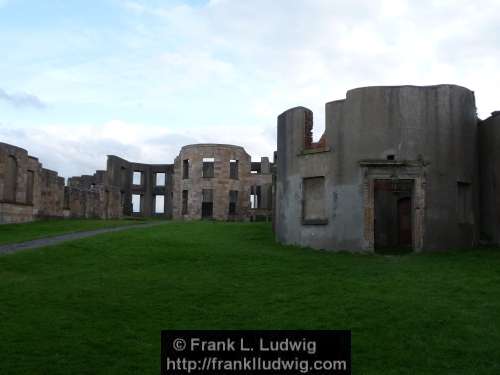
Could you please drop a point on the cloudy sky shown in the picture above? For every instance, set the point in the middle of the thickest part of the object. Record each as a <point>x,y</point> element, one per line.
<point>140,78</point>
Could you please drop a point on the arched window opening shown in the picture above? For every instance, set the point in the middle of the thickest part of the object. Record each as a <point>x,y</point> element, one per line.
<point>10,184</point>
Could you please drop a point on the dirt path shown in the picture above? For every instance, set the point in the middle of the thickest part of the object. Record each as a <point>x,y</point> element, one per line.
<point>48,241</point>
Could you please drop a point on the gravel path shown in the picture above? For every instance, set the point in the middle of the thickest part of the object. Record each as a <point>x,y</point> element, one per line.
<point>48,241</point>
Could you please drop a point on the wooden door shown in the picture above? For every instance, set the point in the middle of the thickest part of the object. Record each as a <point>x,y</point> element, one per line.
<point>404,221</point>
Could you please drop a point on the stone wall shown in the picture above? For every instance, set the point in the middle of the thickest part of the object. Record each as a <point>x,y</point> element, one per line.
<point>120,173</point>
<point>101,202</point>
<point>15,213</point>
<point>222,184</point>
<point>427,135</point>
<point>489,167</point>
<point>27,190</point>
<point>91,196</point>
<point>51,193</point>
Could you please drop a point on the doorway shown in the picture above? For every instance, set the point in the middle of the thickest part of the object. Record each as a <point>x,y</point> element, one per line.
<point>393,215</point>
<point>404,221</point>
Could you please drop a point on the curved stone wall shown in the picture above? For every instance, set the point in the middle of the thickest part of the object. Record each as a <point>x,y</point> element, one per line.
<point>120,173</point>
<point>191,182</point>
<point>423,135</point>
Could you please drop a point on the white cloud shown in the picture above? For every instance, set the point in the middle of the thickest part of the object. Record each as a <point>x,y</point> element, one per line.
<point>316,50</point>
<point>83,150</point>
<point>223,71</point>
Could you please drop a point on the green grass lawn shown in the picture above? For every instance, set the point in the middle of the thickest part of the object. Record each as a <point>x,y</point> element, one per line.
<point>14,233</point>
<point>97,306</point>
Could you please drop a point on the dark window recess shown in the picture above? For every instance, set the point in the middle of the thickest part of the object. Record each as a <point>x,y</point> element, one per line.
<point>233,200</point>
<point>255,167</point>
<point>233,169</point>
<point>123,176</point>
<point>10,184</point>
<point>66,200</point>
<point>207,204</point>
<point>185,168</point>
<point>208,167</point>
<point>391,157</point>
<point>29,187</point>
<point>184,202</point>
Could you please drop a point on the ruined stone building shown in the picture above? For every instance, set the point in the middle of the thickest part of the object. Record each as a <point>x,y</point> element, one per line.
<point>145,189</point>
<point>396,167</point>
<point>26,189</point>
<point>29,191</point>
<point>207,181</point>
<point>220,181</point>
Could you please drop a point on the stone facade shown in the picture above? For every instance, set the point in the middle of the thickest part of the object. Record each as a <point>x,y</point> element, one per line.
<point>52,194</point>
<point>152,193</point>
<point>125,188</point>
<point>27,190</point>
<point>396,167</point>
<point>92,196</point>
<point>220,182</point>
